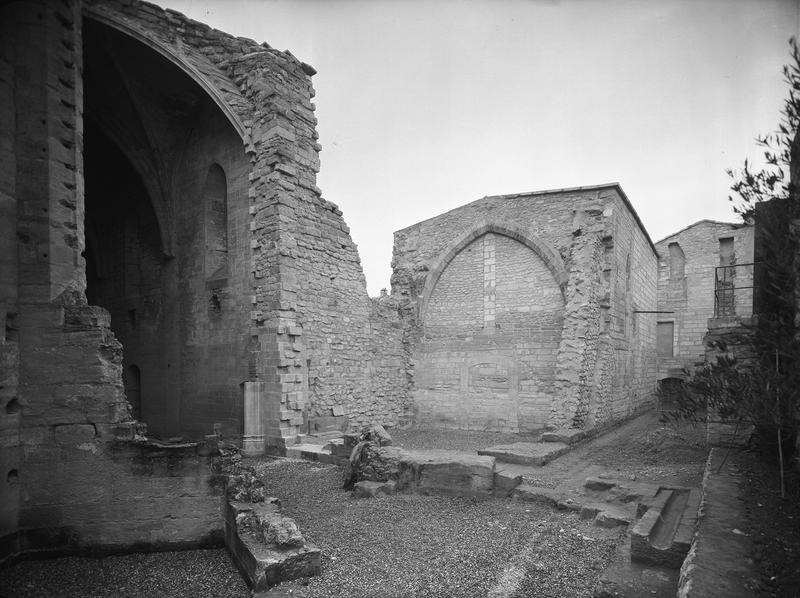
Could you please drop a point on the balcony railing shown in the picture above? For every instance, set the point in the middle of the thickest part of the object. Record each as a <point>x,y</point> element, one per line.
<point>736,289</point>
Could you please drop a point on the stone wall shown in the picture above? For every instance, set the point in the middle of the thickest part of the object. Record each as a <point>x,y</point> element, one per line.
<point>201,232</point>
<point>69,480</point>
<point>686,281</point>
<point>517,317</point>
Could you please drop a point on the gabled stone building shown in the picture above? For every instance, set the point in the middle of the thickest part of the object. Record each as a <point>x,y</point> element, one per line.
<point>705,271</point>
<point>531,310</point>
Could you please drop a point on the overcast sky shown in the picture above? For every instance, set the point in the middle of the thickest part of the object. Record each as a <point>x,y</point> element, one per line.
<point>424,106</point>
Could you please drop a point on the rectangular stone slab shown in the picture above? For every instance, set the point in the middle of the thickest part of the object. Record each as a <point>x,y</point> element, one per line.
<point>437,471</point>
<point>526,453</point>
<point>453,472</point>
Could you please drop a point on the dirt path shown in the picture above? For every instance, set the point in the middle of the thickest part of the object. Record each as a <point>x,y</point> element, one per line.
<point>641,449</point>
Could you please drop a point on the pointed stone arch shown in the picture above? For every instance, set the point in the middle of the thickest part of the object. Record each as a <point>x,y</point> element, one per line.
<point>549,256</point>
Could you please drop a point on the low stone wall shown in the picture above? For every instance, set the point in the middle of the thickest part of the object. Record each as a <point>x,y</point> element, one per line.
<point>122,496</point>
<point>717,564</point>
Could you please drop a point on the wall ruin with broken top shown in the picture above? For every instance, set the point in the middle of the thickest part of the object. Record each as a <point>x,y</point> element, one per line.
<point>165,243</point>
<point>526,311</point>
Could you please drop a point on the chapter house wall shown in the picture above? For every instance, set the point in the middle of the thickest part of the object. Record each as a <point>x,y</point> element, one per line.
<point>525,361</point>
<point>491,331</point>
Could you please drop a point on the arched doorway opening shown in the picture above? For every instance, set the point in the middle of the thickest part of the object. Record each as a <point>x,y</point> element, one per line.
<point>157,242</point>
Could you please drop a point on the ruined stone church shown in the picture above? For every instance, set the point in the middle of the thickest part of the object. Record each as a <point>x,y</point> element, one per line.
<point>169,271</point>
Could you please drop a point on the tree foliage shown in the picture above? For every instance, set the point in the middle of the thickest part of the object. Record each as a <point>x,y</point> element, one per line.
<point>764,390</point>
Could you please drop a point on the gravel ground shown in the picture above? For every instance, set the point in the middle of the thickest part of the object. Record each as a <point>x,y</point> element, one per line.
<point>411,545</point>
<point>185,574</point>
<point>404,545</point>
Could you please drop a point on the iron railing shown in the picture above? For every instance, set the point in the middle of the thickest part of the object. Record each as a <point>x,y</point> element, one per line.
<point>743,278</point>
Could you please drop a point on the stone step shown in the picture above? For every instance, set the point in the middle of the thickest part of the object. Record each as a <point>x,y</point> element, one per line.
<point>506,479</point>
<point>566,436</point>
<point>311,452</point>
<point>529,493</point>
<point>664,533</point>
<point>322,438</point>
<point>526,453</point>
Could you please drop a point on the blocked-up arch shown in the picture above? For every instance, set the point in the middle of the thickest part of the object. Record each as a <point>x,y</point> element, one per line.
<point>549,256</point>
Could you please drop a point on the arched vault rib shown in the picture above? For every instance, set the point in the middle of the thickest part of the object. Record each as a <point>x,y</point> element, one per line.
<point>550,257</point>
<point>129,28</point>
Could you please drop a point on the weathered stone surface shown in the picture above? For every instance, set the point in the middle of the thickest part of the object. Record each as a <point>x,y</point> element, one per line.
<point>505,481</point>
<point>528,493</point>
<point>452,472</point>
<point>526,453</point>
<point>278,530</point>
<point>310,452</point>
<point>614,516</point>
<point>599,484</point>
<point>448,472</point>
<point>377,433</point>
<point>266,546</point>
<point>566,436</point>
<point>662,536</point>
<point>369,489</point>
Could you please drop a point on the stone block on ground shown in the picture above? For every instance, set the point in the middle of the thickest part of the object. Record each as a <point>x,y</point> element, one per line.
<point>598,484</point>
<point>266,546</point>
<point>310,452</point>
<point>565,435</point>
<point>505,480</point>
<point>339,449</point>
<point>377,433</point>
<point>447,472</point>
<point>367,489</point>
<point>528,493</point>
<point>453,472</point>
<point>613,516</point>
<point>526,453</point>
